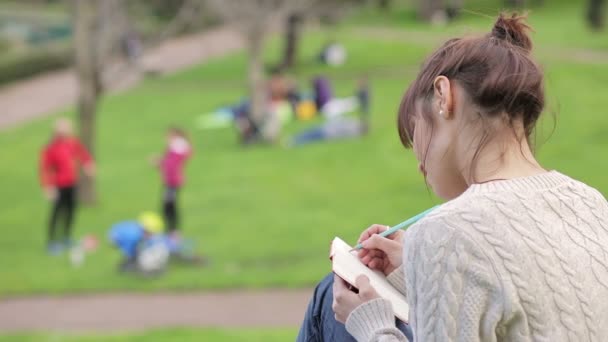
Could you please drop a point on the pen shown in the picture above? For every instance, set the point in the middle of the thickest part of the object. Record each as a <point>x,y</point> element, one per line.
<point>401,225</point>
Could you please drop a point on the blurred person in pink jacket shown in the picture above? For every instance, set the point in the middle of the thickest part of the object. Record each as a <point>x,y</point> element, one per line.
<point>171,166</point>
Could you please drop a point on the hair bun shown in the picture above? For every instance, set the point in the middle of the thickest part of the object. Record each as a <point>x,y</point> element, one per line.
<point>513,29</point>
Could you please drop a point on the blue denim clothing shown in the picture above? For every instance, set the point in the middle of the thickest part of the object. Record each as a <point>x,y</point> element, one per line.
<point>320,324</point>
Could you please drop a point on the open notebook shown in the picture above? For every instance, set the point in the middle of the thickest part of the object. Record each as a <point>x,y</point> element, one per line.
<point>348,267</point>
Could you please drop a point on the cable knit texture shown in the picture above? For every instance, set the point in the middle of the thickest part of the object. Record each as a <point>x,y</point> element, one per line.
<point>524,259</point>
<point>397,279</point>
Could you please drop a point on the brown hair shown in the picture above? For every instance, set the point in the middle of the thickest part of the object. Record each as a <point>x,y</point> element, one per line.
<point>496,71</point>
<point>178,131</point>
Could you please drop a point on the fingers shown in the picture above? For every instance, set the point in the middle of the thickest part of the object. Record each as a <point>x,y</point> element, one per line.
<point>339,284</point>
<point>375,259</point>
<point>362,253</point>
<point>377,264</point>
<point>344,299</point>
<point>373,229</point>
<point>386,245</point>
<point>362,281</point>
<point>338,287</point>
<point>372,254</point>
<point>366,291</point>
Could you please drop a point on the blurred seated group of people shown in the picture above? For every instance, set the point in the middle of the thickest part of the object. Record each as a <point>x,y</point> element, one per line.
<point>286,103</point>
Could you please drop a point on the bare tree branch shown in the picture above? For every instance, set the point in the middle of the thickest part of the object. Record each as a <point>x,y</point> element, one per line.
<point>188,14</point>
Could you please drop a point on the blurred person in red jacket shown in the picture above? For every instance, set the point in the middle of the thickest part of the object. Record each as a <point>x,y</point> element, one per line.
<point>59,168</point>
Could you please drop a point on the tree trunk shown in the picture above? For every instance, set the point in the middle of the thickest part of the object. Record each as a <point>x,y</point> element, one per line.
<point>595,14</point>
<point>384,4</point>
<point>89,83</point>
<point>453,8</point>
<point>257,91</point>
<point>87,105</point>
<point>292,37</point>
<point>429,9</point>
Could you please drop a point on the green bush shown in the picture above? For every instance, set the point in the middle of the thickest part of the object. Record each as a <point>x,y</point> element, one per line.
<point>22,64</point>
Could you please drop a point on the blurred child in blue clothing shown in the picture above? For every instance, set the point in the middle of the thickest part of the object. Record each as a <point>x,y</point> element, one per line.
<point>130,237</point>
<point>144,246</point>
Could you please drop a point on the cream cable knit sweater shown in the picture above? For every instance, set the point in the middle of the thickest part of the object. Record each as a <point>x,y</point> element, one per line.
<point>516,260</point>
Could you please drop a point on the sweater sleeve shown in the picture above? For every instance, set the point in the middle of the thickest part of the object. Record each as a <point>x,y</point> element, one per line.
<point>397,279</point>
<point>451,284</point>
<point>374,321</point>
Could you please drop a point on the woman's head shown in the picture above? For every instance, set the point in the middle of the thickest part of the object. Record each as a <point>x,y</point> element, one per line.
<point>63,128</point>
<point>175,132</point>
<point>472,96</point>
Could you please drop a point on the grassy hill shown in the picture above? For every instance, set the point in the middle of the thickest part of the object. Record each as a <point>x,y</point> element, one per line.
<point>266,215</point>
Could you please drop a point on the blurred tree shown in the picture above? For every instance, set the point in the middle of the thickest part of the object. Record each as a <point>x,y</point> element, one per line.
<point>295,20</point>
<point>165,8</point>
<point>86,46</point>
<point>253,19</point>
<point>99,28</point>
<point>384,4</point>
<point>439,11</point>
<point>595,14</point>
<point>292,36</point>
<point>187,15</point>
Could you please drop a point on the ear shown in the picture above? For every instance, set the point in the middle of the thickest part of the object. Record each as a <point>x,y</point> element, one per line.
<point>443,96</point>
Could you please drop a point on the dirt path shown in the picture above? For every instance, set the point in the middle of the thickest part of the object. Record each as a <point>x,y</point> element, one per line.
<point>135,311</point>
<point>55,91</point>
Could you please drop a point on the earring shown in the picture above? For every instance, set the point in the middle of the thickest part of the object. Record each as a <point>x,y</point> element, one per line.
<point>441,113</point>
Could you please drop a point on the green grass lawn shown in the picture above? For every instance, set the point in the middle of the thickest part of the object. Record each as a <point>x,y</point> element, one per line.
<point>266,215</point>
<point>164,335</point>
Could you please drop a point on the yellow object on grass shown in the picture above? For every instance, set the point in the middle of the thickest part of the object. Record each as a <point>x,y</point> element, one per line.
<point>306,110</point>
<point>151,222</point>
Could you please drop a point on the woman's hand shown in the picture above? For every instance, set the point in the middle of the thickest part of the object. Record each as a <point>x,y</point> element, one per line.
<point>89,170</point>
<point>50,193</point>
<point>345,300</point>
<point>381,253</point>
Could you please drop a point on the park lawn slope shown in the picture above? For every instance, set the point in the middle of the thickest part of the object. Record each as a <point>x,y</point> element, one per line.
<point>265,216</point>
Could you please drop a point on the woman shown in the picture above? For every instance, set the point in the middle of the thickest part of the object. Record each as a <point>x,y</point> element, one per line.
<point>518,253</point>
<point>59,167</point>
